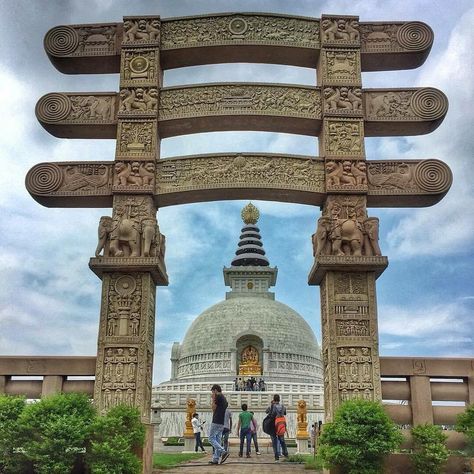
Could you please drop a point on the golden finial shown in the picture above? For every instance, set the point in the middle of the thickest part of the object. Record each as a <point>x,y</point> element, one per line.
<point>250,214</point>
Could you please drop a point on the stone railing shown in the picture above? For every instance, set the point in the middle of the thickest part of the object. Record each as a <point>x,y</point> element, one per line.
<point>414,390</point>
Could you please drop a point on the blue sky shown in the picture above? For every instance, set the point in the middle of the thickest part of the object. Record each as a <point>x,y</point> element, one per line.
<point>49,299</point>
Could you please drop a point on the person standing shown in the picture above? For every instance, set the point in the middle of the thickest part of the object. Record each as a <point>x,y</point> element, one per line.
<point>253,433</point>
<point>197,427</point>
<point>227,429</point>
<point>277,410</point>
<point>218,405</point>
<point>243,429</point>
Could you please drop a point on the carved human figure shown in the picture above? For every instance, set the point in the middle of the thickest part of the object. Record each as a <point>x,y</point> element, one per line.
<point>371,237</point>
<point>111,327</point>
<point>134,325</point>
<point>107,399</point>
<point>119,372</point>
<point>131,372</point>
<point>105,226</point>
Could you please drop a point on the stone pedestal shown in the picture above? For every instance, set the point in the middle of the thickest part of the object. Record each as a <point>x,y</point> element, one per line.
<point>349,327</point>
<point>189,444</point>
<point>302,446</point>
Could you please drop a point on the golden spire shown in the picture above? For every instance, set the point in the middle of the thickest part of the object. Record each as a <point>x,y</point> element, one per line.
<point>250,214</point>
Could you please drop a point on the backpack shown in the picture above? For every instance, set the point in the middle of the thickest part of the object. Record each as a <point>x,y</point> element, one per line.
<point>280,425</point>
<point>268,424</point>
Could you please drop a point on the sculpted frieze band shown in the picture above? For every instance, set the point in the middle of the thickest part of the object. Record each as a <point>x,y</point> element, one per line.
<point>395,183</point>
<point>183,110</point>
<point>79,48</point>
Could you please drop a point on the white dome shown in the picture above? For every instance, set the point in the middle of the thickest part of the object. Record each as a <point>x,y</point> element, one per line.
<point>212,341</point>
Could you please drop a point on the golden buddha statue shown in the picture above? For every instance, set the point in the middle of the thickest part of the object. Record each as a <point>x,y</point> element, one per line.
<point>249,364</point>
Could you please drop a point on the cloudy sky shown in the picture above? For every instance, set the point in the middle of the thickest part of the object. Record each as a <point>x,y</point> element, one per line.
<point>49,299</point>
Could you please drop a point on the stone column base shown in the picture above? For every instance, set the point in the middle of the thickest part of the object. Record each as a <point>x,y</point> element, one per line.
<point>302,446</point>
<point>189,444</point>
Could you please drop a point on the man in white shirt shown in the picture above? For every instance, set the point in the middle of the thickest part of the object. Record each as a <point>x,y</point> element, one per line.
<point>197,427</point>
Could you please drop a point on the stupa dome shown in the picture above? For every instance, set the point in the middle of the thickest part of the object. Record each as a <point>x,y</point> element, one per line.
<point>249,333</point>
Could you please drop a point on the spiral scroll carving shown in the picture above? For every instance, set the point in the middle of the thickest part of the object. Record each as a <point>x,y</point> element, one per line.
<point>53,107</point>
<point>44,178</point>
<point>429,103</point>
<point>414,36</point>
<point>433,176</point>
<point>61,41</point>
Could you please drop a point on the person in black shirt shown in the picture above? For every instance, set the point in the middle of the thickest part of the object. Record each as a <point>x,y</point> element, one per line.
<point>219,405</point>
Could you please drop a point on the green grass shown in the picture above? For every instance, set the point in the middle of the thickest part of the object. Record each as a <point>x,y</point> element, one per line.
<point>169,460</point>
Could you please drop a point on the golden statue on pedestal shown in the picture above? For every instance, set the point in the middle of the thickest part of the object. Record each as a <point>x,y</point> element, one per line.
<point>249,362</point>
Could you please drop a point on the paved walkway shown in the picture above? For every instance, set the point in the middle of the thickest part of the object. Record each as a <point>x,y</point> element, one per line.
<point>235,465</point>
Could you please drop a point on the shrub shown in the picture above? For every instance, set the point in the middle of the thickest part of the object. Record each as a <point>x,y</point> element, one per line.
<point>114,438</point>
<point>429,449</point>
<point>10,435</point>
<point>465,424</point>
<point>55,431</point>
<point>358,438</point>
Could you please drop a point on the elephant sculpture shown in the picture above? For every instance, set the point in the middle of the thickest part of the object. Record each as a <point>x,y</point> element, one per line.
<point>105,225</point>
<point>321,240</point>
<point>347,237</point>
<point>125,238</point>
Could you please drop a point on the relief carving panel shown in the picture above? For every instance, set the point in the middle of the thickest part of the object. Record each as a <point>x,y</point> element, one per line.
<point>341,67</point>
<point>355,373</point>
<point>137,140</point>
<point>141,31</point>
<point>138,101</point>
<point>394,37</point>
<point>260,29</point>
<point>139,65</point>
<point>82,40</point>
<point>344,137</point>
<point>259,171</point>
<point>340,31</point>
<point>239,99</point>
<point>410,104</point>
<point>77,108</point>
<point>343,100</point>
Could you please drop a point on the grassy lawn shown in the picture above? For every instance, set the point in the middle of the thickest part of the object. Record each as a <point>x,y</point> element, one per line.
<point>169,460</point>
<point>309,462</point>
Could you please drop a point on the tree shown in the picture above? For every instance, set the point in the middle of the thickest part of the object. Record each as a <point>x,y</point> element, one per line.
<point>11,460</point>
<point>114,438</point>
<point>56,431</point>
<point>429,449</point>
<point>359,438</point>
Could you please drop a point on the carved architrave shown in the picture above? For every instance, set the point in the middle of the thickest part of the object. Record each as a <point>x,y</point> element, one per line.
<point>82,40</point>
<point>137,139</point>
<point>239,99</point>
<point>340,67</point>
<point>395,36</point>
<point>224,171</point>
<point>405,104</point>
<point>239,29</point>
<point>80,108</point>
<point>340,31</point>
<point>344,138</point>
<point>125,351</point>
<point>139,67</point>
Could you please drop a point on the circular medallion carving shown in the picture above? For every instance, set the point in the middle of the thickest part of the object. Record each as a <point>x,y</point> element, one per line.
<point>433,176</point>
<point>125,285</point>
<point>238,26</point>
<point>61,41</point>
<point>139,64</point>
<point>44,178</point>
<point>53,107</point>
<point>414,36</point>
<point>429,103</point>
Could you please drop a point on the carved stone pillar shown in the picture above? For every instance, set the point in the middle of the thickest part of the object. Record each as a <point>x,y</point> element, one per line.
<point>346,250</point>
<point>130,255</point>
